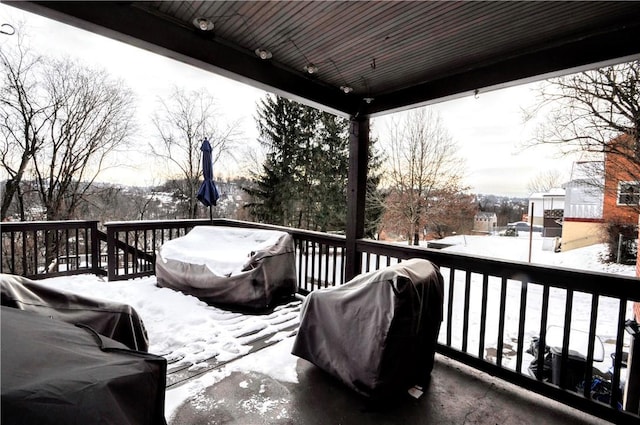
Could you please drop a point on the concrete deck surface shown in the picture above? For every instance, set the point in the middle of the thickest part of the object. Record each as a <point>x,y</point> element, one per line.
<point>456,395</point>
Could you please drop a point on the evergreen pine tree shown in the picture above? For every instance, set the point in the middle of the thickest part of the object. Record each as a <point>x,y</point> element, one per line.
<point>375,198</point>
<point>303,180</point>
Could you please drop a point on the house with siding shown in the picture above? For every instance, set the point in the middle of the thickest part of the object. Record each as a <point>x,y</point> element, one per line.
<point>584,198</point>
<point>601,192</point>
<point>485,222</point>
<point>548,211</point>
<point>622,183</point>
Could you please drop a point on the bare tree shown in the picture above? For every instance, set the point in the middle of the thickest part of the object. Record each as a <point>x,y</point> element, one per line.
<point>24,116</point>
<point>182,122</point>
<point>451,212</point>
<point>91,119</point>
<point>422,161</point>
<point>60,120</point>
<point>595,113</point>
<point>545,181</point>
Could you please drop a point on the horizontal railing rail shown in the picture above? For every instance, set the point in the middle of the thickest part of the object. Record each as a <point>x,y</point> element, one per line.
<point>501,317</point>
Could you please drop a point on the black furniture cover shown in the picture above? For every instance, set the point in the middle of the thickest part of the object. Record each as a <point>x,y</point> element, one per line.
<point>113,320</point>
<point>230,266</point>
<point>57,373</point>
<point>376,333</point>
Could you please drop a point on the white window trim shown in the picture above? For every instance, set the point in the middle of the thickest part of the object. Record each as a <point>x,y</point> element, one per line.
<point>619,192</point>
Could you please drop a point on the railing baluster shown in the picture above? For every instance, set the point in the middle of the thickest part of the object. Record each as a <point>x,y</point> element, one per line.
<point>483,315</point>
<point>542,338</point>
<point>450,304</point>
<point>334,256</point>
<point>342,267</point>
<point>321,264</point>
<point>503,301</point>
<point>564,361</point>
<point>306,265</point>
<point>313,267</point>
<point>465,313</point>
<point>25,242</point>
<point>96,248</point>
<point>36,257</point>
<point>77,248</point>
<point>112,258</point>
<point>523,310</point>
<point>47,254</point>
<point>154,244</point>
<point>326,265</point>
<point>298,246</point>
<point>617,363</point>
<point>134,255</point>
<point>588,373</point>
<point>12,262</point>
<point>66,244</point>
<point>125,253</point>
<point>145,248</point>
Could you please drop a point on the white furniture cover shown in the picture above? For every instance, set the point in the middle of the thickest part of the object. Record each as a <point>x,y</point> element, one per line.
<point>233,266</point>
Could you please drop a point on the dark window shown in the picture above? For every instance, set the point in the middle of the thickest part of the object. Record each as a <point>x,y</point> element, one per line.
<point>628,193</point>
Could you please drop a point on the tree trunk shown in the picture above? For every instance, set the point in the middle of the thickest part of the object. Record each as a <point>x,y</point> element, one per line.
<point>10,190</point>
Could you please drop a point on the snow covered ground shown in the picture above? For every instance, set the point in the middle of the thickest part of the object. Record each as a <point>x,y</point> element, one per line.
<point>189,332</point>
<point>517,249</point>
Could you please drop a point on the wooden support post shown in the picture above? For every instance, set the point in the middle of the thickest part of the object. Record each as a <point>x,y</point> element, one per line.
<point>356,192</point>
<point>95,247</point>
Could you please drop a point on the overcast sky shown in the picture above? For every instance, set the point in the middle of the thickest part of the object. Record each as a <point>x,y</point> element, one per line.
<point>488,129</point>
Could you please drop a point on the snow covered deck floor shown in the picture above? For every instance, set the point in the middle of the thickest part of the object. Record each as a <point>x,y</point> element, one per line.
<point>280,323</point>
<point>231,368</point>
<point>271,386</point>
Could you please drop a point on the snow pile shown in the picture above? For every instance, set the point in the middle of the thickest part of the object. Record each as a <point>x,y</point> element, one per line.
<point>181,328</point>
<point>224,250</point>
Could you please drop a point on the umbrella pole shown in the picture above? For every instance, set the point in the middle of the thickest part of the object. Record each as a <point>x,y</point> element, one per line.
<point>210,213</point>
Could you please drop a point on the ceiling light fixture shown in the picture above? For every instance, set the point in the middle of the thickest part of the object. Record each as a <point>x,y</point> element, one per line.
<point>368,100</point>
<point>311,68</point>
<point>203,24</point>
<point>263,54</point>
<point>346,89</point>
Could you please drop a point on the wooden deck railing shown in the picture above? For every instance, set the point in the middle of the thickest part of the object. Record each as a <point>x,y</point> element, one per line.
<point>38,249</point>
<point>495,311</point>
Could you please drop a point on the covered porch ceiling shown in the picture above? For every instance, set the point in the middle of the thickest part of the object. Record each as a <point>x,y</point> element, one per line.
<point>374,57</point>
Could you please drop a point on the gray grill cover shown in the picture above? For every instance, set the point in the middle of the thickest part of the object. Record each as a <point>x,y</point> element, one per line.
<point>56,373</point>
<point>113,320</point>
<point>262,275</point>
<point>378,332</point>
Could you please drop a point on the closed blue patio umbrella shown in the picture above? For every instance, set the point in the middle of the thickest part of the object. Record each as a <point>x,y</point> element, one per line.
<point>208,193</point>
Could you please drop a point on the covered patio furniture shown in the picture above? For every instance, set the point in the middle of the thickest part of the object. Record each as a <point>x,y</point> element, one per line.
<point>57,373</point>
<point>230,266</point>
<point>376,333</point>
<point>113,320</point>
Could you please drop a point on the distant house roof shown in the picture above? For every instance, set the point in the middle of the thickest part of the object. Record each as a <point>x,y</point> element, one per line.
<point>484,214</point>
<point>556,191</point>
